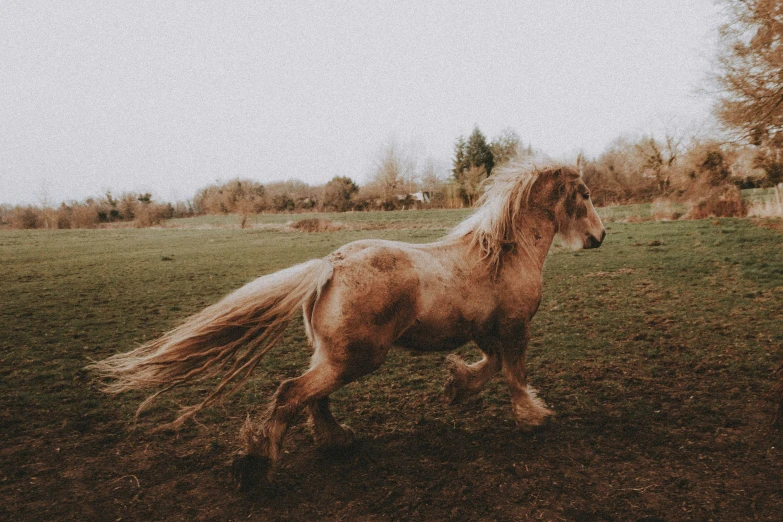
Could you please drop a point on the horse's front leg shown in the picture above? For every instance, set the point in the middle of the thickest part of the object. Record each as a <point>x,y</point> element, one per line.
<point>529,410</point>
<point>468,380</point>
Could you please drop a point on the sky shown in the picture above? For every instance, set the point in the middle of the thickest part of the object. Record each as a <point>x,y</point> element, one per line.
<point>168,97</point>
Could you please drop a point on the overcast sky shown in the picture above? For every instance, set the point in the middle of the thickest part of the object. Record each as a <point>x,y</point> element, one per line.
<point>168,97</point>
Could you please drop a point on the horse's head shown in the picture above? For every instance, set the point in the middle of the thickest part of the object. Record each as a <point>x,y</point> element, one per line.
<point>521,202</point>
<point>568,199</point>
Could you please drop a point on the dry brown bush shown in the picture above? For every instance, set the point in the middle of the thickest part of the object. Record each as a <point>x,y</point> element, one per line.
<point>723,201</point>
<point>151,214</point>
<point>84,216</point>
<point>63,217</point>
<point>316,225</point>
<point>24,217</point>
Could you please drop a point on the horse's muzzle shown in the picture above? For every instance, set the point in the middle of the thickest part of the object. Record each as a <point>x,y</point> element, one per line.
<point>593,242</point>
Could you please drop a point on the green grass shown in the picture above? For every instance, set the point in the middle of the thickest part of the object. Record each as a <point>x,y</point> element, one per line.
<point>655,350</point>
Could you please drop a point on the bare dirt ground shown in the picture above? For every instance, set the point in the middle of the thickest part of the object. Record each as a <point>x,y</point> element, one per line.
<point>428,463</point>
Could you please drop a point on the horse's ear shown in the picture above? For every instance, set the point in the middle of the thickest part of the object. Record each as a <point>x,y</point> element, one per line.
<point>580,163</point>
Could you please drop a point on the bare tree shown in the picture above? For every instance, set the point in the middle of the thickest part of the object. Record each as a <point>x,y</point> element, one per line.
<point>429,176</point>
<point>394,170</point>
<point>506,147</point>
<point>750,70</point>
<point>659,157</point>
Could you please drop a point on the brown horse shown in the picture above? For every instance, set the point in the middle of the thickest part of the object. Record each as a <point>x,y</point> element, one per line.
<point>480,283</point>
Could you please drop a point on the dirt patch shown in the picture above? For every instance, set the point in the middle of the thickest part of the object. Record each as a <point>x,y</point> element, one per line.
<point>426,462</point>
<point>612,274</point>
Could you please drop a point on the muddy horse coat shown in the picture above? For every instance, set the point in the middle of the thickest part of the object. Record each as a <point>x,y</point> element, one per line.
<point>480,283</point>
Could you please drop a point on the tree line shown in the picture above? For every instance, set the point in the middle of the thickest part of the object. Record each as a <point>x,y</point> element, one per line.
<point>631,170</point>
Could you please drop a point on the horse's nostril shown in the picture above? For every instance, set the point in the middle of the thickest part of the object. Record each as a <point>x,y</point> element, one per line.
<point>594,242</point>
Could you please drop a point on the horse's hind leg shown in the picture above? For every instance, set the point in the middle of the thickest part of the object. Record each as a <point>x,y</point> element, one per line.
<point>327,432</point>
<point>263,444</point>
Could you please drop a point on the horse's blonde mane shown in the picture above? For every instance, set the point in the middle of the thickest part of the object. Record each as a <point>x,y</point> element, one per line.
<point>492,228</point>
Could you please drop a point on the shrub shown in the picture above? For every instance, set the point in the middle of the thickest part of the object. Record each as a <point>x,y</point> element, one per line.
<point>25,217</point>
<point>389,203</point>
<point>84,215</point>
<point>338,193</point>
<point>151,214</point>
<point>723,201</point>
<point>63,217</point>
<point>283,203</point>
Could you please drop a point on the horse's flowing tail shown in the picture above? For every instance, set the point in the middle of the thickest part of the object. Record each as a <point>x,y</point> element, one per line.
<point>229,337</point>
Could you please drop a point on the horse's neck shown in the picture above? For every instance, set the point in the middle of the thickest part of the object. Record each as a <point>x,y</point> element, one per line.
<point>539,232</point>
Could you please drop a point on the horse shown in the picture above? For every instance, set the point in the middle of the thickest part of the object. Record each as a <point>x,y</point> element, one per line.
<point>482,282</point>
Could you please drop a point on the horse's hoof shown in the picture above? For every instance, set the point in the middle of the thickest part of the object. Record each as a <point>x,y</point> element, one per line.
<point>345,439</point>
<point>450,391</point>
<point>455,393</point>
<point>337,439</point>
<point>250,471</point>
<point>530,423</point>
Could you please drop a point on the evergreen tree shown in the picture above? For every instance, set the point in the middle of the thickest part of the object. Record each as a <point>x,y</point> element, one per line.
<point>473,162</point>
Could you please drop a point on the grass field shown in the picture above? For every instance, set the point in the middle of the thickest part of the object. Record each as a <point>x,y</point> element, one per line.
<point>655,350</point>
<point>438,219</point>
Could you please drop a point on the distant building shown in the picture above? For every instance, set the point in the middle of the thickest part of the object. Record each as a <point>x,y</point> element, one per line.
<point>423,196</point>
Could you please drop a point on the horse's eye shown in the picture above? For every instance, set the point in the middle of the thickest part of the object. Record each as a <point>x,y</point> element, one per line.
<point>586,195</point>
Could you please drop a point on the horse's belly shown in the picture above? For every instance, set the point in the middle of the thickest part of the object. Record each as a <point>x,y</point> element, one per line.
<point>428,340</point>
